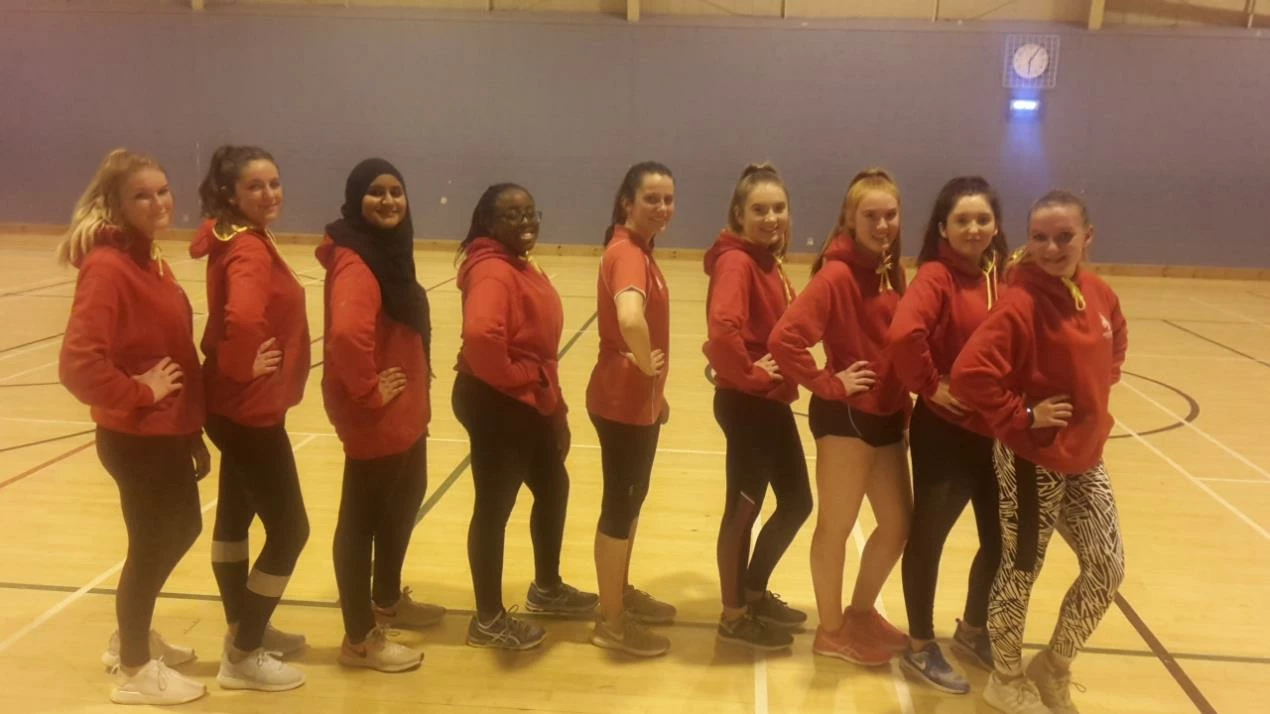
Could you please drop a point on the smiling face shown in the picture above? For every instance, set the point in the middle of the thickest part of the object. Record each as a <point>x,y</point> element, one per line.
<point>516,221</point>
<point>258,193</point>
<point>648,214</point>
<point>970,227</point>
<point>145,202</point>
<point>875,223</point>
<point>384,204</point>
<point>1058,237</point>
<point>764,218</point>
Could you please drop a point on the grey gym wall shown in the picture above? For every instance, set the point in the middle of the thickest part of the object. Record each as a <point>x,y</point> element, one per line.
<point>1167,133</point>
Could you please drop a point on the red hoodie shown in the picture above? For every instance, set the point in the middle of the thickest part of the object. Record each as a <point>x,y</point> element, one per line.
<point>360,342</point>
<point>512,320</point>
<point>948,299</point>
<point>845,307</point>
<point>129,314</point>
<point>1041,341</point>
<point>748,293</point>
<point>618,390</point>
<point>252,295</point>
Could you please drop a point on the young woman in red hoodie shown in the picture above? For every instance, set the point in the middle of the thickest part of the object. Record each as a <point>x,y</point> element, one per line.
<point>256,346</point>
<point>956,284</point>
<point>375,385</point>
<point>858,413</point>
<point>507,396</point>
<point>748,293</point>
<point>129,354</point>
<point>626,402</point>
<point>1039,371</point>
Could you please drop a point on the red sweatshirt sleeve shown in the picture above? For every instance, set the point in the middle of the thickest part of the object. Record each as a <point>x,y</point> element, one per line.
<point>1119,338</point>
<point>85,366</point>
<point>486,346</point>
<point>355,304</point>
<point>726,317</point>
<point>909,335</point>
<point>981,375</point>
<point>247,268</point>
<point>801,327</point>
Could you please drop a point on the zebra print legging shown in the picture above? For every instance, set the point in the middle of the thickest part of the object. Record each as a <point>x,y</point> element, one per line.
<point>1034,501</point>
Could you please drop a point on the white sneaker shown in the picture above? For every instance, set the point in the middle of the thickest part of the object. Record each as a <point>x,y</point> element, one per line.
<point>155,683</point>
<point>1014,696</point>
<point>284,644</point>
<point>172,655</point>
<point>380,653</point>
<point>1053,684</point>
<point>260,671</point>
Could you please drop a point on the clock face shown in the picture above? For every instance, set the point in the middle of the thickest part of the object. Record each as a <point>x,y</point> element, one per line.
<point>1030,61</point>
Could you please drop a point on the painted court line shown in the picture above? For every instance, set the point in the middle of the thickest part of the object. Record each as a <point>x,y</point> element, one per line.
<point>902,691</point>
<point>1190,425</point>
<point>69,600</point>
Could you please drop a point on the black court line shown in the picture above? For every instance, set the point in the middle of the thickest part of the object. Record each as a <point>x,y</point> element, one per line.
<point>684,624</point>
<point>1215,342</point>
<point>32,342</point>
<point>49,440</point>
<point>38,287</point>
<point>467,459</point>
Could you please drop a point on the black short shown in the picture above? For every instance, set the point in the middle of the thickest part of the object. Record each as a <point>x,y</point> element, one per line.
<point>835,418</point>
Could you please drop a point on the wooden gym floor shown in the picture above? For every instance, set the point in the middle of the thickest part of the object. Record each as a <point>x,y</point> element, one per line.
<point>1190,460</point>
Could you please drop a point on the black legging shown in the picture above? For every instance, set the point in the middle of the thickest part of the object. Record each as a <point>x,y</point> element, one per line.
<point>763,449</point>
<point>378,507</point>
<point>159,497</point>
<point>257,478</point>
<point>950,467</point>
<point>512,444</point>
<point>626,460</point>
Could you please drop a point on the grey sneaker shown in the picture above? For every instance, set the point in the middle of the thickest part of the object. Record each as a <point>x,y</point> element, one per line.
<point>408,613</point>
<point>772,610</point>
<point>975,646</point>
<point>752,632</point>
<point>504,632</point>
<point>642,607</point>
<point>1053,684</point>
<point>630,637</point>
<point>564,599</point>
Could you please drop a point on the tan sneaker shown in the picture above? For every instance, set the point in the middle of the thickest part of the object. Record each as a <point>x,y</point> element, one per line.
<point>1013,696</point>
<point>629,636</point>
<point>1053,684</point>
<point>259,670</point>
<point>379,653</point>
<point>408,613</point>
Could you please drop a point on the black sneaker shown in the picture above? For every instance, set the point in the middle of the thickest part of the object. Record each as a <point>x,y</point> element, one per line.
<point>505,632</point>
<point>564,599</point>
<point>772,610</point>
<point>746,630</point>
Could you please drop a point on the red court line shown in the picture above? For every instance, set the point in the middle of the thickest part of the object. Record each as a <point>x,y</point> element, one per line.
<point>46,464</point>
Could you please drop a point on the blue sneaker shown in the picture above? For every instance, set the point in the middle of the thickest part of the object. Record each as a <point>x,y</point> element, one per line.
<point>975,646</point>
<point>929,664</point>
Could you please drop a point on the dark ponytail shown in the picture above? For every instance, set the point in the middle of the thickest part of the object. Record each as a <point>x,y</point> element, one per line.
<point>626,192</point>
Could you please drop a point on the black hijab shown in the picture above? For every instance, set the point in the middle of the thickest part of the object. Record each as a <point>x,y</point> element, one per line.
<point>388,253</point>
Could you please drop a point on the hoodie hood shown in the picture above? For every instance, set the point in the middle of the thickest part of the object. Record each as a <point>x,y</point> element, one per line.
<point>729,241</point>
<point>483,249</point>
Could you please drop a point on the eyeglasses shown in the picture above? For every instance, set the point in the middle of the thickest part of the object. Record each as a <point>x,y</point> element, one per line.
<point>518,217</point>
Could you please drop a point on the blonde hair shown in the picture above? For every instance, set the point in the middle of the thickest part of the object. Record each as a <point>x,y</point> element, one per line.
<point>868,180</point>
<point>101,204</point>
<point>752,177</point>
